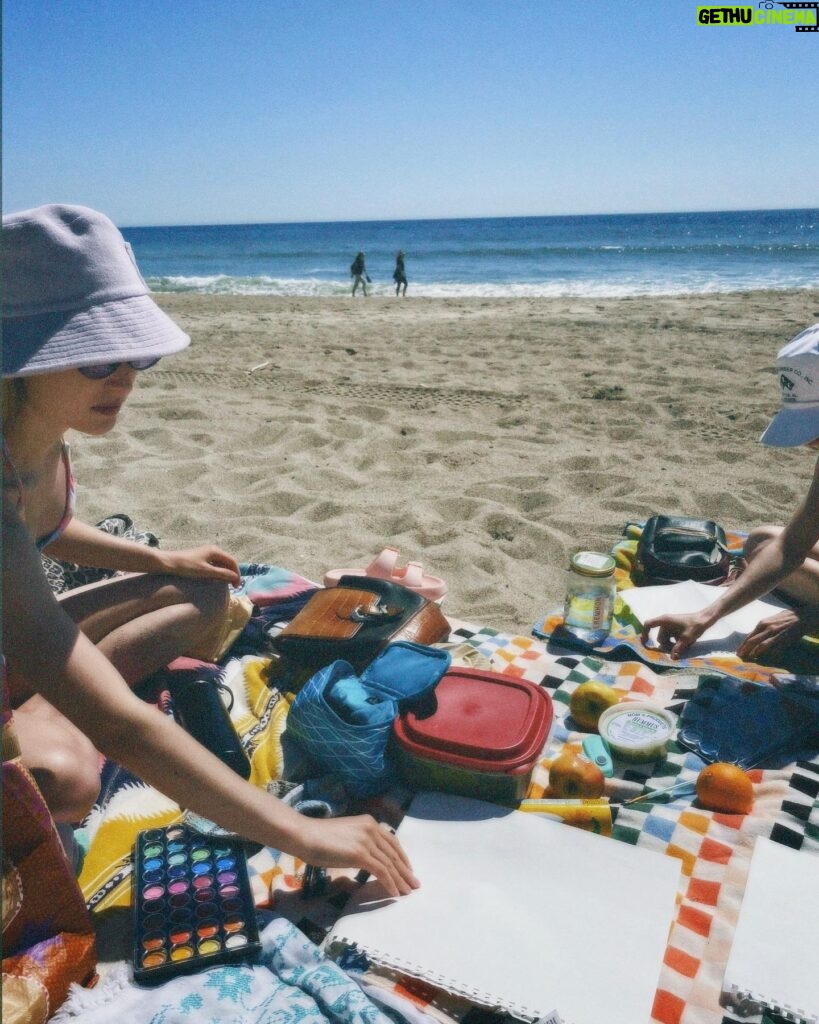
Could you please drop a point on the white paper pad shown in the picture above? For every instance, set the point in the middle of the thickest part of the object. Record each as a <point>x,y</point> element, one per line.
<point>773,959</point>
<point>680,598</point>
<point>522,913</point>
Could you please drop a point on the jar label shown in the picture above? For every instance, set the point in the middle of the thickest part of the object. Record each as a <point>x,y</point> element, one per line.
<point>637,727</point>
<point>600,612</point>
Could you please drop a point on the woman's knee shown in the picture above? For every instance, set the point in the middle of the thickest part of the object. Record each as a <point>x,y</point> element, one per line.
<point>67,772</point>
<point>758,538</point>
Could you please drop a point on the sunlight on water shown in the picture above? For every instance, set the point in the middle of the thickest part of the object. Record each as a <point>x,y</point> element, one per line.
<point>528,257</point>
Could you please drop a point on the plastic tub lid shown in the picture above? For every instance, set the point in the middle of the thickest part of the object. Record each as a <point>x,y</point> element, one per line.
<point>484,720</point>
<point>637,728</point>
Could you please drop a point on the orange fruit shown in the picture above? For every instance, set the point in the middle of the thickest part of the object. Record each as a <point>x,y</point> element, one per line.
<point>588,702</point>
<point>575,777</point>
<point>725,787</point>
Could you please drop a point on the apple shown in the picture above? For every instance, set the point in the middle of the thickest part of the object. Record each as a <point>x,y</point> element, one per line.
<point>575,777</point>
<point>588,702</point>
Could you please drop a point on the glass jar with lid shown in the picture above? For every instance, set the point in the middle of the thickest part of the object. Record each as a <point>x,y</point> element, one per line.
<point>590,592</point>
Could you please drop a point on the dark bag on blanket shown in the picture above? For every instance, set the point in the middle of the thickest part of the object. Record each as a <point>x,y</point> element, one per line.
<point>198,707</point>
<point>356,620</point>
<point>674,548</point>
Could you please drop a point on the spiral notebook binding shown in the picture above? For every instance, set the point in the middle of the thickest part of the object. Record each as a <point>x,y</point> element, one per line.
<point>745,1003</point>
<point>525,1013</point>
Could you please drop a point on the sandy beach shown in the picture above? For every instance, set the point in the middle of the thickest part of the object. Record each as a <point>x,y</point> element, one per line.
<point>488,439</point>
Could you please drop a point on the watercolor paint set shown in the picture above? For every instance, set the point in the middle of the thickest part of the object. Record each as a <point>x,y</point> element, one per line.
<point>193,907</point>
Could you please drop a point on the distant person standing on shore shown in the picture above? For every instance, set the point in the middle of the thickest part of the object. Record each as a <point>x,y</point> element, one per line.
<point>358,272</point>
<point>399,275</point>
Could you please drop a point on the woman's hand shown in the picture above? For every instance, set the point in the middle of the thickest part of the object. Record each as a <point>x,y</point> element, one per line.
<point>777,633</point>
<point>356,842</point>
<point>206,562</point>
<point>677,632</point>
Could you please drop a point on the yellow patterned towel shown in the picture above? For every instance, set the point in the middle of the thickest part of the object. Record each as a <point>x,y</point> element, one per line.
<point>127,805</point>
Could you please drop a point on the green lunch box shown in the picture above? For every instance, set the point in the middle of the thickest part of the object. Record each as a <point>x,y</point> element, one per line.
<point>478,734</point>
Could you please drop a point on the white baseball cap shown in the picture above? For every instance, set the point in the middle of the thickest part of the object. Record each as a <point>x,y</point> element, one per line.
<point>73,295</point>
<point>797,422</point>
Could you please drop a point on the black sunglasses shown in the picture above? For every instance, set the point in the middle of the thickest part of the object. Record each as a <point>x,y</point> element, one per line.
<point>99,371</point>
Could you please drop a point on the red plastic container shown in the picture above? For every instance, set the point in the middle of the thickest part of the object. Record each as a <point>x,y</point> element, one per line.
<point>482,739</point>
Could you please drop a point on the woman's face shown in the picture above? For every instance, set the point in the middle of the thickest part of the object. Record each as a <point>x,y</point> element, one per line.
<point>66,400</point>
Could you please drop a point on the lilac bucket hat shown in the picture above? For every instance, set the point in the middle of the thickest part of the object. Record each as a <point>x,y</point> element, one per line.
<point>797,364</point>
<point>72,295</point>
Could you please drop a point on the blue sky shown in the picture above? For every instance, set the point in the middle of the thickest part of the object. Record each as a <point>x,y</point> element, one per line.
<point>228,111</point>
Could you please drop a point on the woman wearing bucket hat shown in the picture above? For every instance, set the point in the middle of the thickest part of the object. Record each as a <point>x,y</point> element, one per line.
<point>78,325</point>
<point>782,558</point>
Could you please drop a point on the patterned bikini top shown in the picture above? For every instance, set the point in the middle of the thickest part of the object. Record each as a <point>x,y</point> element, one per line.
<point>68,511</point>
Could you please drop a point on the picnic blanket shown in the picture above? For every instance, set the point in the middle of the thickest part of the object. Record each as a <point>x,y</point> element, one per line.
<point>292,982</point>
<point>714,849</point>
<point>623,641</point>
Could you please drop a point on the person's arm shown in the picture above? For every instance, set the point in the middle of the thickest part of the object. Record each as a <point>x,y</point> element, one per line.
<point>42,644</point>
<point>89,546</point>
<point>773,564</point>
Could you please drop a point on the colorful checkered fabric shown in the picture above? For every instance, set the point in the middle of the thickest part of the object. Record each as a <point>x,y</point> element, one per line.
<point>623,642</point>
<point>714,849</point>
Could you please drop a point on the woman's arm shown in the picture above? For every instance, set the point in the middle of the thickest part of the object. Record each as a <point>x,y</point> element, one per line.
<point>87,545</point>
<point>770,567</point>
<point>44,646</point>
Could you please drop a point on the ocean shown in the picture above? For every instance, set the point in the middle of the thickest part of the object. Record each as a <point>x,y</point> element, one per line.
<point>595,256</point>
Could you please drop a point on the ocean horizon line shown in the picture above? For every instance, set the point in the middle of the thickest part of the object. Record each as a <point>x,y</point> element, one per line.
<point>586,255</point>
<point>472,218</point>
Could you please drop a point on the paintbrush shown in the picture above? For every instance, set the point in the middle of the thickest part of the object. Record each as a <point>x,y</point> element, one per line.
<point>677,788</point>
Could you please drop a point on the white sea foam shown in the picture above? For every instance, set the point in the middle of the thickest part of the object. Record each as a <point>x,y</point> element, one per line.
<point>700,284</point>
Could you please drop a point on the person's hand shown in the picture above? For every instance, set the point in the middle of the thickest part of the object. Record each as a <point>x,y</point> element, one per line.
<point>775,633</point>
<point>677,632</point>
<point>206,562</point>
<point>358,842</point>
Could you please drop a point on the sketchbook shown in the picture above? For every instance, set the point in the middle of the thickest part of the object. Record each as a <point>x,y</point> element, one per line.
<point>689,596</point>
<point>772,964</point>
<point>521,913</point>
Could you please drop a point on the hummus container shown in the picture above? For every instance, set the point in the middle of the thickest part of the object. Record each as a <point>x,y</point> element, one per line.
<point>636,731</point>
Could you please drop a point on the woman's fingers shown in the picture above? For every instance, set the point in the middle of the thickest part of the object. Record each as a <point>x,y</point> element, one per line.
<point>360,842</point>
<point>647,627</point>
<point>769,634</point>
<point>666,634</point>
<point>208,562</point>
<point>226,573</point>
<point>397,856</point>
<point>387,861</point>
<point>675,634</point>
<point>391,866</point>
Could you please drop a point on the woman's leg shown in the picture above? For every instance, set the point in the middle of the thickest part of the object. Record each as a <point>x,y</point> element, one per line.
<point>802,586</point>
<point>62,760</point>
<point>142,622</point>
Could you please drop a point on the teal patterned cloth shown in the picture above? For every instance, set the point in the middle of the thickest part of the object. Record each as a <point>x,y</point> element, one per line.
<point>291,982</point>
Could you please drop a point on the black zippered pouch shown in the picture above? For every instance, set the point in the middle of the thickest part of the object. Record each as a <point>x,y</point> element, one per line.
<point>674,548</point>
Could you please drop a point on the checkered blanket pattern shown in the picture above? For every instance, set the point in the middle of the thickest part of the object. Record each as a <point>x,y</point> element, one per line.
<point>714,849</point>
<point>623,641</point>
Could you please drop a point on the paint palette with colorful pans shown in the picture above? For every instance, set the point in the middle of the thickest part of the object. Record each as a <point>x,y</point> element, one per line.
<point>193,907</point>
